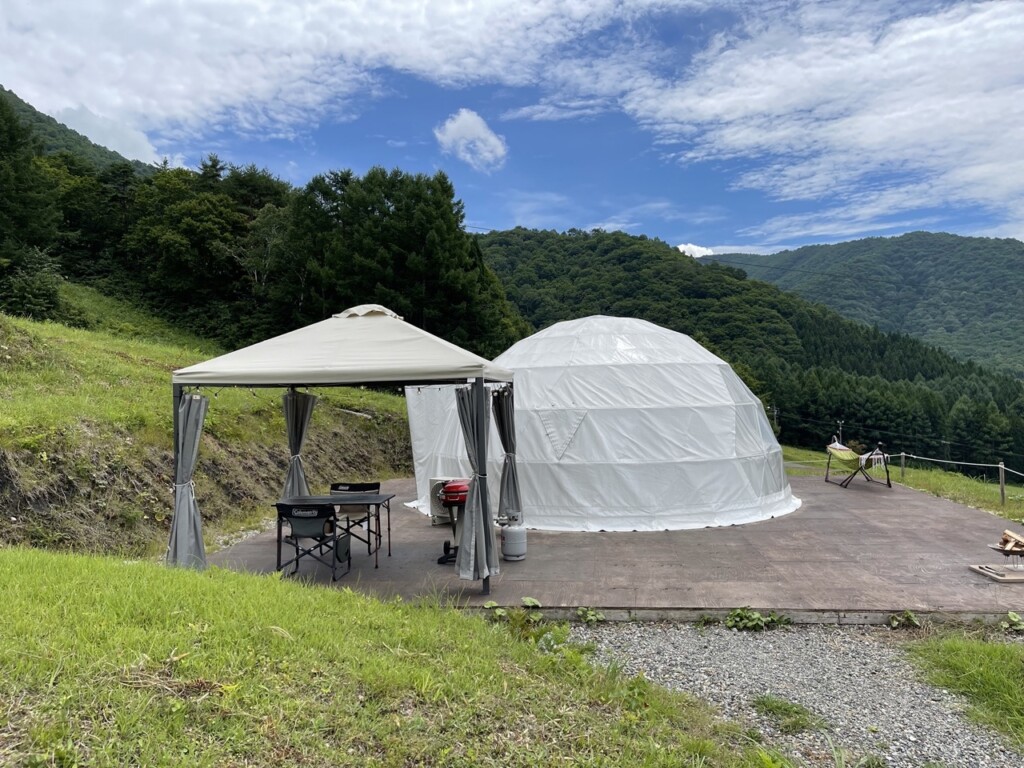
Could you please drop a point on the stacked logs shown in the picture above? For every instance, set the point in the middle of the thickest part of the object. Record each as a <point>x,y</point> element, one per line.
<point>1011,543</point>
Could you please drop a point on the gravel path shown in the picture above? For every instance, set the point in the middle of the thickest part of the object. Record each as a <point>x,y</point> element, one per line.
<point>855,679</point>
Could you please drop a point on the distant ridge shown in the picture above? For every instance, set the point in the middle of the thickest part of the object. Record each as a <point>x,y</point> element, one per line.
<point>962,294</point>
<point>57,137</point>
<point>812,368</point>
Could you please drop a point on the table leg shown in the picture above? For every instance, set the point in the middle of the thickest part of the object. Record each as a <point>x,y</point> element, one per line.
<point>376,550</point>
<point>279,531</point>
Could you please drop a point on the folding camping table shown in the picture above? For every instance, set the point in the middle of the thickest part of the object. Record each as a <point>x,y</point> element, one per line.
<point>374,501</point>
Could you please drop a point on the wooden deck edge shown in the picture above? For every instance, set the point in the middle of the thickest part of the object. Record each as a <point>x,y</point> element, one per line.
<point>796,616</point>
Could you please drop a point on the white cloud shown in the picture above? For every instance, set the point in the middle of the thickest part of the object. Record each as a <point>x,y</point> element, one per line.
<point>177,160</point>
<point>541,210</point>
<point>695,250</point>
<point>619,223</point>
<point>269,66</point>
<point>855,106</point>
<point>757,250</point>
<point>128,141</point>
<point>557,111</point>
<point>634,216</point>
<point>467,136</point>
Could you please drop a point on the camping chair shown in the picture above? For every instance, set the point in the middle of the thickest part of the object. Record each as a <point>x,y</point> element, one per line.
<point>855,463</point>
<point>364,515</point>
<point>317,523</point>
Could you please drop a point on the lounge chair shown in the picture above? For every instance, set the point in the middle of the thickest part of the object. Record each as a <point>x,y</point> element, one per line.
<point>855,463</point>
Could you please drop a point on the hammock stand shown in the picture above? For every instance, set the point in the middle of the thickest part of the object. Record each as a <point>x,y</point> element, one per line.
<point>855,463</point>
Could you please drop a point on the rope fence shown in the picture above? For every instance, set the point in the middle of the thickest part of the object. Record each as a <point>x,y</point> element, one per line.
<point>1003,469</point>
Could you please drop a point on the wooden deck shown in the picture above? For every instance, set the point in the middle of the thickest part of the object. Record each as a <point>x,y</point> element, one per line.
<point>854,555</point>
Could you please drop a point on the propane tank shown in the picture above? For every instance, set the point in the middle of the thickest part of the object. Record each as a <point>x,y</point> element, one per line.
<point>513,542</point>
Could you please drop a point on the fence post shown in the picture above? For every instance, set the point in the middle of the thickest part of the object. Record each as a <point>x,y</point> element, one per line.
<point>1002,483</point>
<point>903,465</point>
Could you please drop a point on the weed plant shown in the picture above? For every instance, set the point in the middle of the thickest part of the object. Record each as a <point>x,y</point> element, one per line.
<point>589,616</point>
<point>1012,623</point>
<point>906,620</point>
<point>788,715</point>
<point>748,620</point>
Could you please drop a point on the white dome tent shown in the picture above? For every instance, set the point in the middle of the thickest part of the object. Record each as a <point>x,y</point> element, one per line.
<point>622,425</point>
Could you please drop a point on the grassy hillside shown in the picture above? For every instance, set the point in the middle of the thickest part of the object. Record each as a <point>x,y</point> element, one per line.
<point>86,425</point>
<point>962,294</point>
<point>94,311</point>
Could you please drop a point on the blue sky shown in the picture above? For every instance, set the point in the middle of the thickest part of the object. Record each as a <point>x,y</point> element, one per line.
<point>730,125</point>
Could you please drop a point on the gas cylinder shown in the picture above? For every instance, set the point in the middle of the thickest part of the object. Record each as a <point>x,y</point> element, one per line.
<point>513,542</point>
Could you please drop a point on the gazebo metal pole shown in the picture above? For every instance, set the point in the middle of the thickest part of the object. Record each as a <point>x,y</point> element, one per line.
<point>480,396</point>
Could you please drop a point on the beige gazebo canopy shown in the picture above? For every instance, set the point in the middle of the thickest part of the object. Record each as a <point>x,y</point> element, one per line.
<point>368,344</point>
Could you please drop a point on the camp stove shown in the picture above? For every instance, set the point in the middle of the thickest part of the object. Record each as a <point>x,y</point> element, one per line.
<point>452,496</point>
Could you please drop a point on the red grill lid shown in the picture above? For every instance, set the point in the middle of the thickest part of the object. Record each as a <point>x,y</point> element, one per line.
<point>454,493</point>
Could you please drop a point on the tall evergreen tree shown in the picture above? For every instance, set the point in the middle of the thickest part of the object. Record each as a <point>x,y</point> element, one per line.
<point>29,277</point>
<point>395,239</point>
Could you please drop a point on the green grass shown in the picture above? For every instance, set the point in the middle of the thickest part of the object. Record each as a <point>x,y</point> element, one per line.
<point>55,379</point>
<point>789,716</point>
<point>970,491</point>
<point>803,462</point>
<point>104,662</point>
<point>973,492</point>
<point>988,671</point>
<point>95,311</point>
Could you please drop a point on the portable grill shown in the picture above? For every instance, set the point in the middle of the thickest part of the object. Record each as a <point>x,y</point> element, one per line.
<point>452,496</point>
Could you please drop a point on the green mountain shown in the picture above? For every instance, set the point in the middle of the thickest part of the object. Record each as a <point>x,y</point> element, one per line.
<point>962,294</point>
<point>810,366</point>
<point>56,137</point>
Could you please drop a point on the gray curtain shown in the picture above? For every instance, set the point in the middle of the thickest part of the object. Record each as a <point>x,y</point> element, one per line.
<point>510,505</point>
<point>298,409</point>
<point>186,545</point>
<point>477,556</point>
